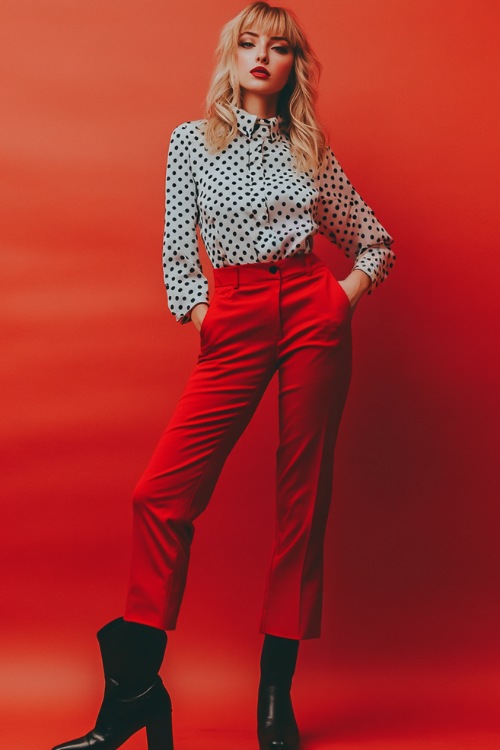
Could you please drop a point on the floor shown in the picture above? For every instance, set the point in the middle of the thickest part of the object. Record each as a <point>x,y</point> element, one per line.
<point>49,697</point>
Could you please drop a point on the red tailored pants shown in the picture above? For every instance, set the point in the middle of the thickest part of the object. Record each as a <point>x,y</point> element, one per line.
<point>293,316</point>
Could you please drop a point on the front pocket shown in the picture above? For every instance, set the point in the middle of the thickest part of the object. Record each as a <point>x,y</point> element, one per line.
<point>212,315</point>
<point>344,293</point>
<point>339,293</point>
<point>204,321</point>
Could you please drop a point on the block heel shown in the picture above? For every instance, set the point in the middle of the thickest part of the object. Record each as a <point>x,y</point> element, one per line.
<point>159,733</point>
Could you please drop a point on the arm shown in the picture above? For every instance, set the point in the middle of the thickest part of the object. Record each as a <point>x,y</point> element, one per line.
<point>350,223</point>
<point>184,281</point>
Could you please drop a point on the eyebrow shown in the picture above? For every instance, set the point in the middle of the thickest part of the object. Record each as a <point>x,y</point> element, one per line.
<point>252,33</point>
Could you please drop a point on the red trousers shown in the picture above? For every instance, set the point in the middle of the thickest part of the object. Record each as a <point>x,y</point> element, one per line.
<point>293,316</point>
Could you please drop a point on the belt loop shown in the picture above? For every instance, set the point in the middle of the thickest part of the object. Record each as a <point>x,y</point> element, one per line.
<point>309,263</point>
<point>237,268</point>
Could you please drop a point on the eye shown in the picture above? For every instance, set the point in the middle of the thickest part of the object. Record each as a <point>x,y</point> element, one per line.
<point>243,44</point>
<point>281,50</point>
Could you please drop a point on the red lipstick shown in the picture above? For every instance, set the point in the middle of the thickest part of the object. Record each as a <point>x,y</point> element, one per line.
<point>260,72</point>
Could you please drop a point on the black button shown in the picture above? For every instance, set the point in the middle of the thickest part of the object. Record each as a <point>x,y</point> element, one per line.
<point>273,269</point>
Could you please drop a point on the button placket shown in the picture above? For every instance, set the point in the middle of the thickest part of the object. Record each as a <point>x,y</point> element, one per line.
<point>255,159</point>
<point>259,136</point>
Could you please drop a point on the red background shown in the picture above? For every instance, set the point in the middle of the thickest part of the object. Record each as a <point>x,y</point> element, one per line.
<point>94,363</point>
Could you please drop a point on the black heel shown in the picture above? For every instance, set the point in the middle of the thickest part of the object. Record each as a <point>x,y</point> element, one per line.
<point>276,725</point>
<point>134,694</point>
<point>159,733</point>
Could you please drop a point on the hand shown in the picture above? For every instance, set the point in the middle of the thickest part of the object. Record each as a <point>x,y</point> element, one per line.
<point>198,312</point>
<point>355,285</point>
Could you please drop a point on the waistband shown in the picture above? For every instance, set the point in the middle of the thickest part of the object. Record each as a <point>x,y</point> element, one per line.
<point>249,273</point>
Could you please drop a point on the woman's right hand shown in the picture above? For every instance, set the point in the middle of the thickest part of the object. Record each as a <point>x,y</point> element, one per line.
<point>198,312</point>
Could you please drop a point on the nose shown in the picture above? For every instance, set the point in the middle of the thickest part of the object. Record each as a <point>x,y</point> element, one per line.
<point>262,56</point>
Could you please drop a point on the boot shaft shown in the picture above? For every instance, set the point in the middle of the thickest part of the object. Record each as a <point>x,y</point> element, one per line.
<point>131,653</point>
<point>278,660</point>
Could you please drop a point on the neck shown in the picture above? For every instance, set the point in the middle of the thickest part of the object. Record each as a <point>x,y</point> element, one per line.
<point>262,106</point>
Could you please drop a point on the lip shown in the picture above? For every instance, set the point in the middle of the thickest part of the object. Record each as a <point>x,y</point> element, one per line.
<point>260,72</point>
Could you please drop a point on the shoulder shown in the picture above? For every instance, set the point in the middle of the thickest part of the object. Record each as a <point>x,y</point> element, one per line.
<point>330,162</point>
<point>190,131</point>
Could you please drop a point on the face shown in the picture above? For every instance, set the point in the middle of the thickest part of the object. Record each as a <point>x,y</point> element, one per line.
<point>272,53</point>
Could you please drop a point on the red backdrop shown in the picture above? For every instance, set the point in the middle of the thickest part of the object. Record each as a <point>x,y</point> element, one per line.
<point>94,364</point>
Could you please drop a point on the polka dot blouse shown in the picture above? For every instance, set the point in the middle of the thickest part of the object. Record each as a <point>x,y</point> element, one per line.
<point>251,205</point>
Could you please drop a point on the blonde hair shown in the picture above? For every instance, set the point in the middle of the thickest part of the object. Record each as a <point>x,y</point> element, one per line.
<point>296,100</point>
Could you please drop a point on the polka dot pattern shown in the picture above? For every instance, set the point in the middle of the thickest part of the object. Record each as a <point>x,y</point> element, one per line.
<point>251,205</point>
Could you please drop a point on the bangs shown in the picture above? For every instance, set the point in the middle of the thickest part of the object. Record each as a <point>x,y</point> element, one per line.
<point>271,22</point>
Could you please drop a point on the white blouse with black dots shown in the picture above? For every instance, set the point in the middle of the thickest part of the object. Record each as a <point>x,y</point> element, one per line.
<point>251,205</point>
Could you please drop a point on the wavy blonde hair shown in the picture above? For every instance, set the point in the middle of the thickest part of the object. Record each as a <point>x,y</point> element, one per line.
<point>296,101</point>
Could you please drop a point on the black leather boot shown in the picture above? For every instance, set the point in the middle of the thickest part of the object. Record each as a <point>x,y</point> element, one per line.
<point>276,725</point>
<point>134,694</point>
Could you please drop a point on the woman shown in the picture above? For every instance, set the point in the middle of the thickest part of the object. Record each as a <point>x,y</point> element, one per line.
<point>259,179</point>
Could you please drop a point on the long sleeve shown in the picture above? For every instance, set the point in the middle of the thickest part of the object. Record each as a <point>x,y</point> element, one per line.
<point>184,281</point>
<point>351,224</point>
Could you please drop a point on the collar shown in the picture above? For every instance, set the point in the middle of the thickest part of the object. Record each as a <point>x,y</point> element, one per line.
<point>253,126</point>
